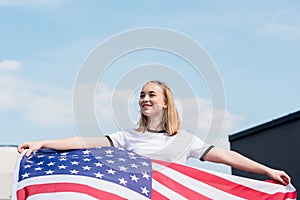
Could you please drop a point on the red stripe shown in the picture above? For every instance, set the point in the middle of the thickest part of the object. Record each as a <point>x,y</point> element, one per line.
<point>226,185</point>
<point>177,187</point>
<point>30,190</point>
<point>157,196</point>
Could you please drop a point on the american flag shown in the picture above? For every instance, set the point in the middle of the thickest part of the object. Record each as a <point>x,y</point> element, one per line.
<point>113,173</point>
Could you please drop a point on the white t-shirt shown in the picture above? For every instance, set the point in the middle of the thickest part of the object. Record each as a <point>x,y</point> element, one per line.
<point>159,145</point>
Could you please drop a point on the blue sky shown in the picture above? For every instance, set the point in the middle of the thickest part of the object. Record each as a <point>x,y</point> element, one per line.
<point>254,44</point>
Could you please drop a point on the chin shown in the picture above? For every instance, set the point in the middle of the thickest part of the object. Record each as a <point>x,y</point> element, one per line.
<point>147,114</point>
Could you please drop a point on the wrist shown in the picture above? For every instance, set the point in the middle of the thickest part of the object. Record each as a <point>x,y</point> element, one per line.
<point>45,144</point>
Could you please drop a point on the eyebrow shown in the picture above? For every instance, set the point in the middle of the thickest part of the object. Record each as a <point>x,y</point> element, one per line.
<point>149,92</point>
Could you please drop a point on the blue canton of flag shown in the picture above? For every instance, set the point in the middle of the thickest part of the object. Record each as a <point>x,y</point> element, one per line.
<point>110,164</point>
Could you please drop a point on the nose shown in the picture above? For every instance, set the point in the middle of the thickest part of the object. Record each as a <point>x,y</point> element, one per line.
<point>146,98</point>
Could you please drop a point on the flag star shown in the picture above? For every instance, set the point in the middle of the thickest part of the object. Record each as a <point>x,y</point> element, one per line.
<point>134,178</point>
<point>64,154</point>
<point>26,175</point>
<point>98,175</point>
<point>110,161</point>
<point>62,167</point>
<point>86,152</point>
<point>74,171</point>
<point>29,159</point>
<point>86,159</point>
<point>86,168</point>
<point>50,164</point>
<point>98,157</point>
<point>109,151</point>
<point>131,154</point>
<point>122,181</point>
<point>74,163</point>
<point>27,166</point>
<point>110,155</point>
<point>40,156</point>
<point>98,164</point>
<point>145,175</point>
<point>110,171</point>
<point>49,172</point>
<point>134,165</point>
<point>145,163</point>
<point>38,169</point>
<point>51,157</point>
<point>122,168</point>
<point>121,159</point>
<point>41,163</point>
<point>63,159</point>
<point>132,157</point>
<point>144,190</point>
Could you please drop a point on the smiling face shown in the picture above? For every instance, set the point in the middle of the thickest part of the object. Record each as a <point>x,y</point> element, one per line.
<point>152,100</point>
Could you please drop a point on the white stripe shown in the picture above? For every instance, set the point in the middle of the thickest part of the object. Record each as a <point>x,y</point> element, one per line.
<point>16,176</point>
<point>263,186</point>
<point>60,196</point>
<point>92,182</point>
<point>165,191</point>
<point>197,186</point>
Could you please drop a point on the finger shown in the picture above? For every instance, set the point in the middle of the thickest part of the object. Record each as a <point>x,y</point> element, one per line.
<point>29,152</point>
<point>286,180</point>
<point>22,147</point>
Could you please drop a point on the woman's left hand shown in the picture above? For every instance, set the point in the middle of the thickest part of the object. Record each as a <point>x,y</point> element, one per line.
<point>280,176</point>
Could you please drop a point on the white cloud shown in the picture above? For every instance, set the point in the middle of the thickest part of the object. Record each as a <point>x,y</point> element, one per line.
<point>197,116</point>
<point>284,24</point>
<point>49,111</point>
<point>10,65</point>
<point>38,103</point>
<point>51,105</point>
<point>282,30</point>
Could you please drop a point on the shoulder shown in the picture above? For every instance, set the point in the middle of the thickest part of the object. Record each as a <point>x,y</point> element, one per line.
<point>124,133</point>
<point>184,134</point>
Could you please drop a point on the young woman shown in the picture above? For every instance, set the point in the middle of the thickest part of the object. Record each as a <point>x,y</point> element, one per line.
<point>159,136</point>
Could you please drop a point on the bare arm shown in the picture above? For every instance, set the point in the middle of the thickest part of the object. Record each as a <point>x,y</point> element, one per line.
<point>64,144</point>
<point>241,162</point>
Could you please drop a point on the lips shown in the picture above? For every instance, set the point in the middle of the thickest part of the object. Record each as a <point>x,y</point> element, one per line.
<point>146,105</point>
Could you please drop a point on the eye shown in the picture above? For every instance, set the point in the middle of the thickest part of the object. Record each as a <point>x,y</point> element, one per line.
<point>142,95</point>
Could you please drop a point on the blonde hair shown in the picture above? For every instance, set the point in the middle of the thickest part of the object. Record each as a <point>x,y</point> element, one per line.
<point>171,120</point>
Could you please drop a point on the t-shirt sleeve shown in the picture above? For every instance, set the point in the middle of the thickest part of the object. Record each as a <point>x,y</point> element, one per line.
<point>118,139</point>
<point>199,148</point>
<point>110,141</point>
<point>205,152</point>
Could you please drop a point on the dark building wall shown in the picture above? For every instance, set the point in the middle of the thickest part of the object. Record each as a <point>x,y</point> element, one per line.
<point>276,144</point>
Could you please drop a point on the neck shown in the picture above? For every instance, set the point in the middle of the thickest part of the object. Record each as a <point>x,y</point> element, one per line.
<point>155,123</point>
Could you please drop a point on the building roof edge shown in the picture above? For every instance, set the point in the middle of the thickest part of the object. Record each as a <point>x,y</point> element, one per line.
<point>271,124</point>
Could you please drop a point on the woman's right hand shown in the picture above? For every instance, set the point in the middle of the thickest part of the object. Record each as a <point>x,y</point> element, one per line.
<point>31,146</point>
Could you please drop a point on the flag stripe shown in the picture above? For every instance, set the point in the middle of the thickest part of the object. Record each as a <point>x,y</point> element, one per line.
<point>94,184</point>
<point>157,196</point>
<point>65,187</point>
<point>61,196</point>
<point>193,184</point>
<point>177,187</point>
<point>225,185</point>
<point>165,191</point>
